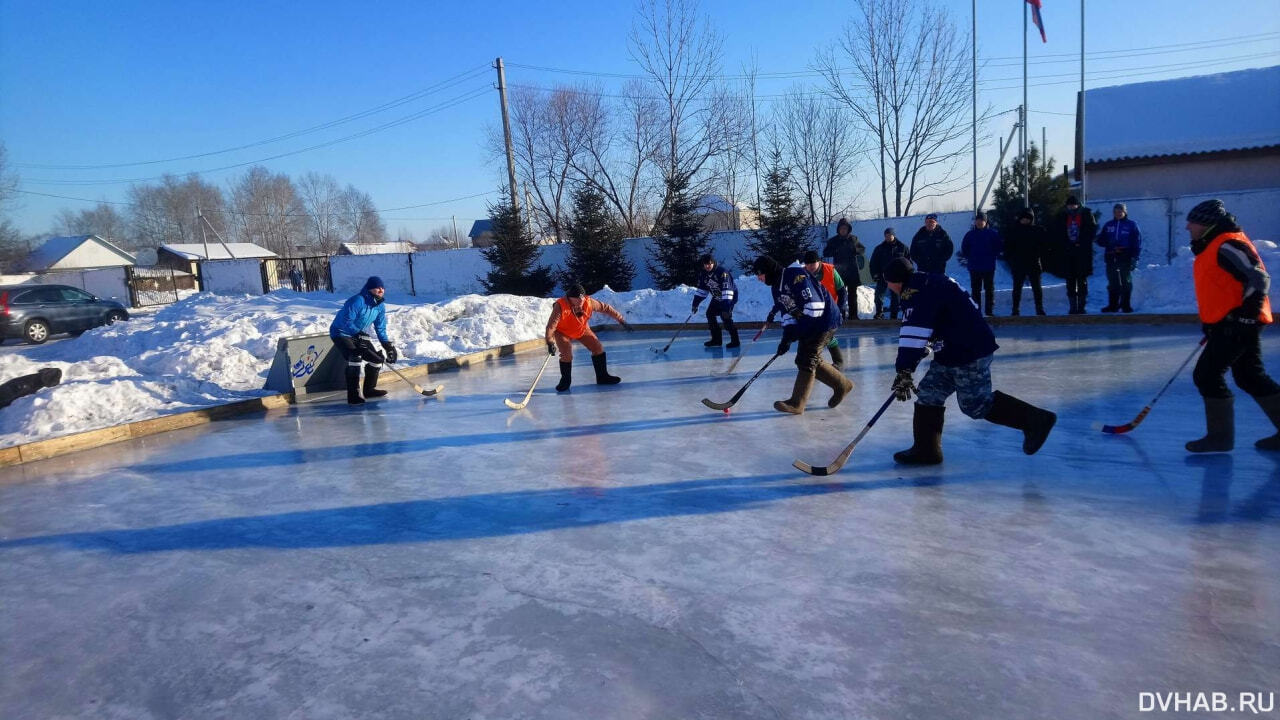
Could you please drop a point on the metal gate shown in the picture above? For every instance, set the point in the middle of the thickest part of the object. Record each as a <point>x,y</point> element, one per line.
<point>157,285</point>
<point>307,274</point>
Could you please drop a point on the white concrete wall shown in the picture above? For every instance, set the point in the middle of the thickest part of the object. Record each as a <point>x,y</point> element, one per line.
<point>232,277</point>
<point>1163,221</point>
<point>351,271</point>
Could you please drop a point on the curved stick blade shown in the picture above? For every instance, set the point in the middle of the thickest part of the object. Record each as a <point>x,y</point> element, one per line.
<point>514,405</point>
<point>716,405</point>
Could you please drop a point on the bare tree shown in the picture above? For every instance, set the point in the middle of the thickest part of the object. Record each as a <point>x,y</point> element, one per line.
<point>618,156</point>
<point>358,217</point>
<point>8,182</point>
<point>102,220</point>
<point>268,211</point>
<point>166,212</point>
<point>321,198</point>
<point>909,88</point>
<point>13,245</point>
<point>680,54</point>
<point>820,147</point>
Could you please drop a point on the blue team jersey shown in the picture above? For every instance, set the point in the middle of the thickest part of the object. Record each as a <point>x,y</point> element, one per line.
<point>937,310</point>
<point>718,284</point>
<point>803,302</point>
<point>359,312</point>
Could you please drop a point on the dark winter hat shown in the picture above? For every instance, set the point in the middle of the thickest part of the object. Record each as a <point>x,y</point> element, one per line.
<point>575,290</point>
<point>980,216</point>
<point>810,256</point>
<point>889,231</point>
<point>844,223</point>
<point>706,259</point>
<point>764,265</point>
<point>931,216</point>
<point>1073,200</point>
<point>898,270</point>
<point>1121,207</point>
<point>1027,215</point>
<point>374,282</point>
<point>1209,212</point>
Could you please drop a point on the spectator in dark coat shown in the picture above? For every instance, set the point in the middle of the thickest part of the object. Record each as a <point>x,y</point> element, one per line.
<point>1024,245</point>
<point>1122,241</point>
<point>848,256</point>
<point>978,251</point>
<point>931,247</point>
<point>885,252</point>
<point>1074,231</point>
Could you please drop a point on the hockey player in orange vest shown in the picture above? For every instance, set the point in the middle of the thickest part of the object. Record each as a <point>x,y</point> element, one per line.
<point>570,320</point>
<point>1231,294</point>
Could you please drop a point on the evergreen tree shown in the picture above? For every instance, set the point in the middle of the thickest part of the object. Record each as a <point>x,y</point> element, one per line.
<point>596,254</point>
<point>513,255</point>
<point>1048,197</point>
<point>783,235</point>
<point>676,251</point>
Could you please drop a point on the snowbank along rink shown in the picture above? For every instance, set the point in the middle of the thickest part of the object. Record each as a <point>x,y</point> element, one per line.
<point>624,552</point>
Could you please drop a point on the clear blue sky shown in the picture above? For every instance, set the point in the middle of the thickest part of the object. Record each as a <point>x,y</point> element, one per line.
<point>92,83</point>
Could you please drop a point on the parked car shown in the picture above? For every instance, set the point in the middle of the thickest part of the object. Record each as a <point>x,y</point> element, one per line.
<point>34,312</point>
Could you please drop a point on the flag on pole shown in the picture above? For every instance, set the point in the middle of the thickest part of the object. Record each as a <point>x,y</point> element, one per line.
<point>1035,18</point>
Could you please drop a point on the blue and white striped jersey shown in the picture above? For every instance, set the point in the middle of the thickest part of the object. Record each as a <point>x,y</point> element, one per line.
<point>803,302</point>
<point>935,309</point>
<point>718,284</point>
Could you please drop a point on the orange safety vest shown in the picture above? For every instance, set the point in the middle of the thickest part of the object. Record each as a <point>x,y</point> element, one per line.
<point>828,278</point>
<point>1217,291</point>
<point>570,325</point>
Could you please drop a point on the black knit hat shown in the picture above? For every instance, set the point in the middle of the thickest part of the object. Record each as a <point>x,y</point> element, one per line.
<point>764,265</point>
<point>810,256</point>
<point>575,290</point>
<point>980,216</point>
<point>1073,200</point>
<point>1209,213</point>
<point>1027,214</point>
<point>706,259</point>
<point>898,270</point>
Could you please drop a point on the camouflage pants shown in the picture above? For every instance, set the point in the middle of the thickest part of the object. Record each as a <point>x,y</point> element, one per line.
<point>970,382</point>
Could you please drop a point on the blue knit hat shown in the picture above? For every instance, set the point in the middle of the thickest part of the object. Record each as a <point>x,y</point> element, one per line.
<point>373,282</point>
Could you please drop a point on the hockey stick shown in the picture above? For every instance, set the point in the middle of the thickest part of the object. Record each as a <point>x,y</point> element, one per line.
<point>425,392</point>
<point>843,457</point>
<point>678,331</point>
<point>734,364</point>
<point>733,400</point>
<point>520,405</point>
<point>1121,429</point>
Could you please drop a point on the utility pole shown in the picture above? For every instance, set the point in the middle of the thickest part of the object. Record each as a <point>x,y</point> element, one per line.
<point>1080,170</point>
<point>1026,110</point>
<point>974,122</point>
<point>506,133</point>
<point>1044,150</point>
<point>456,244</point>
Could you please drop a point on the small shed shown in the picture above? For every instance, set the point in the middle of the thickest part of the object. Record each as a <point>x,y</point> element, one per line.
<point>185,256</point>
<point>398,247</point>
<point>76,252</point>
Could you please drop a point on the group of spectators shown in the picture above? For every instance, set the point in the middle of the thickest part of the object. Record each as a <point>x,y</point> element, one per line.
<point>1027,247</point>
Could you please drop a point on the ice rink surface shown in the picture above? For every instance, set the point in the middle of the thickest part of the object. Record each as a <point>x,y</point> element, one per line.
<point>624,552</point>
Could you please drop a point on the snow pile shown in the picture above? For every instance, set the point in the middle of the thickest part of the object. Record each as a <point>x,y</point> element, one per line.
<point>210,349</point>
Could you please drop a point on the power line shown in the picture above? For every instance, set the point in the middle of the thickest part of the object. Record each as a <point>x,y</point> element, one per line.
<point>442,85</point>
<point>458,100</point>
<point>249,214</point>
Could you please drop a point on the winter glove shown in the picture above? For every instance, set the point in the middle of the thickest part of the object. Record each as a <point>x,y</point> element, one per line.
<point>694,308</point>
<point>788,337</point>
<point>626,326</point>
<point>390,349</point>
<point>769,320</point>
<point>551,347</point>
<point>1240,316</point>
<point>365,348</point>
<point>902,385</point>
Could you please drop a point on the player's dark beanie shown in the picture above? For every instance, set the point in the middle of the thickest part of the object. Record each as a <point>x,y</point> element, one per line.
<point>764,265</point>
<point>373,282</point>
<point>810,256</point>
<point>575,290</point>
<point>706,258</point>
<point>1209,213</point>
<point>1073,200</point>
<point>898,270</point>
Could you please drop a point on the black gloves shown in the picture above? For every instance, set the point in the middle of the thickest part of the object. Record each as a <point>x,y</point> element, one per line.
<point>626,326</point>
<point>788,337</point>
<point>551,347</point>
<point>390,349</point>
<point>365,349</point>
<point>696,302</point>
<point>769,320</point>
<point>902,385</point>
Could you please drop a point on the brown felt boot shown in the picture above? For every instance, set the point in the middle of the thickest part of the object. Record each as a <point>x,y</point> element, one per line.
<point>799,395</point>
<point>840,385</point>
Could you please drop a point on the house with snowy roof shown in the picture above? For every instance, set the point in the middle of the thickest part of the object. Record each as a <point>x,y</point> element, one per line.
<point>185,256</point>
<point>1186,136</point>
<point>383,248</point>
<point>76,252</point>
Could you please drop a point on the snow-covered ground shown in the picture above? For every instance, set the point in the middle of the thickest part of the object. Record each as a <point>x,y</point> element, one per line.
<point>210,349</point>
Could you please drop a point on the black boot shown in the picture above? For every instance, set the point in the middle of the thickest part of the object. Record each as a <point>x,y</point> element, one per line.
<point>716,339</point>
<point>1082,296</point>
<point>1071,302</point>
<point>799,395</point>
<point>1220,424</point>
<point>1113,300</point>
<point>566,376</point>
<point>602,371</point>
<point>353,385</point>
<point>733,335</point>
<point>371,382</point>
<point>840,385</point>
<point>1125,295</point>
<point>1271,406</point>
<point>926,429</point>
<point>1034,423</point>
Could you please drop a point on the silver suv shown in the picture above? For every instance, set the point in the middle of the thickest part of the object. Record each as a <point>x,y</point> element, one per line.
<point>34,312</point>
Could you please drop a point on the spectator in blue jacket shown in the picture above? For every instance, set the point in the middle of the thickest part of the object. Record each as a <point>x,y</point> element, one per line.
<point>978,251</point>
<point>349,332</point>
<point>1121,241</point>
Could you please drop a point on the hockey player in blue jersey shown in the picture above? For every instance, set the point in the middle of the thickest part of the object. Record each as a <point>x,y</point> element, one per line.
<point>809,317</point>
<point>717,283</point>
<point>362,310</point>
<point>937,311</point>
